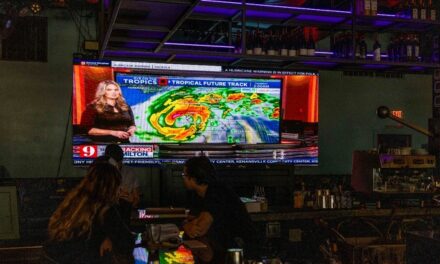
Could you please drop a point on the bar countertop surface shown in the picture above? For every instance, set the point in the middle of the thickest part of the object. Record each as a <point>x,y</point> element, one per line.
<point>287,214</point>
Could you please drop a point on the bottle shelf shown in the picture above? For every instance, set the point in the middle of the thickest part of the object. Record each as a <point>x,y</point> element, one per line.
<point>391,23</point>
<point>141,38</point>
<point>289,15</point>
<point>281,62</point>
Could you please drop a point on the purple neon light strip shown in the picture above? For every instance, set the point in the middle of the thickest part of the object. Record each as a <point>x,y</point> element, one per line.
<point>293,8</point>
<point>324,52</point>
<point>232,47</point>
<point>385,15</point>
<point>199,45</point>
<point>281,7</point>
<point>331,53</point>
<point>382,55</point>
<point>375,66</point>
<point>300,8</point>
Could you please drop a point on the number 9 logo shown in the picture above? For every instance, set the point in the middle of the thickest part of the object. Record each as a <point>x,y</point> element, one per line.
<point>89,152</point>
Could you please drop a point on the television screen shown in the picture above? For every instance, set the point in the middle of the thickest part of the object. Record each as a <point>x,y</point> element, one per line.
<point>176,109</point>
<point>166,113</point>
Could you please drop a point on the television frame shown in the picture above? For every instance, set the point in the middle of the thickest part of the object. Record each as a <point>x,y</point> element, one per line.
<point>141,154</point>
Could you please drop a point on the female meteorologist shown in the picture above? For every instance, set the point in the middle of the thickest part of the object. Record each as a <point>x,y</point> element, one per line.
<point>108,118</point>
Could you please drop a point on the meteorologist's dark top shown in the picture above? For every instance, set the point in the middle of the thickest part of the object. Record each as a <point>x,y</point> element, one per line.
<point>231,219</point>
<point>86,250</point>
<point>108,119</point>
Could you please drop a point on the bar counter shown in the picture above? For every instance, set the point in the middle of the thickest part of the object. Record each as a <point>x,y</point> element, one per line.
<point>288,214</point>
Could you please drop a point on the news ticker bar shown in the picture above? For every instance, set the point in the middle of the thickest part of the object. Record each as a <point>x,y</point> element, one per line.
<point>187,67</point>
<point>302,161</point>
<point>149,155</point>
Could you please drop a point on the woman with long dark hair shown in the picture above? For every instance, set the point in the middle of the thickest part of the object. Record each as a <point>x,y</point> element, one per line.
<point>87,223</point>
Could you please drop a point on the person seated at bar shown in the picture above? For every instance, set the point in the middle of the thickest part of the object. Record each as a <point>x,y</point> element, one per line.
<point>218,217</point>
<point>129,189</point>
<point>86,226</point>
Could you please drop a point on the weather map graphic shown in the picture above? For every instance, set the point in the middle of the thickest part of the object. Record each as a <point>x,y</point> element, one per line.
<point>171,109</point>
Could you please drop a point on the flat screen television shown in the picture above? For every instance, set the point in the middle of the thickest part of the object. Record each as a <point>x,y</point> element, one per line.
<point>176,111</point>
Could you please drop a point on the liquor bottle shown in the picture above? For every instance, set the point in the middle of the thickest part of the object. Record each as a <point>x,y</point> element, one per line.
<point>343,49</point>
<point>311,46</point>
<point>416,47</point>
<point>258,43</point>
<point>339,45</point>
<point>335,46</point>
<point>402,7</point>
<point>237,42</point>
<point>402,49</point>
<point>283,40</point>
<point>277,39</point>
<point>409,48</point>
<point>422,8</point>
<point>270,44</point>
<point>390,49</point>
<point>264,38</point>
<point>362,48</point>
<point>303,44</point>
<point>357,52</point>
<point>360,8</point>
<point>376,49</point>
<point>250,42</point>
<point>414,10</point>
<point>346,46</point>
<point>367,7</point>
<point>293,44</point>
<point>397,48</point>
<point>350,48</point>
<point>407,9</point>
<point>432,12</point>
<point>373,4</point>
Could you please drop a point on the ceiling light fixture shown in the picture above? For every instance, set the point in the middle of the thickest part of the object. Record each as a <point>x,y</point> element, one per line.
<point>35,7</point>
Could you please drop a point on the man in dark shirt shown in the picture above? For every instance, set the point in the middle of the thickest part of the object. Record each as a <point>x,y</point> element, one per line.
<point>219,216</point>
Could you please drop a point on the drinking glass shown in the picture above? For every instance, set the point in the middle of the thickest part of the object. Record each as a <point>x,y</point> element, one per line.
<point>155,230</point>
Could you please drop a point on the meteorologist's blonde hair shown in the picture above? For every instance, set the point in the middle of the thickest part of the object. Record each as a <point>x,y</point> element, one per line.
<point>100,101</point>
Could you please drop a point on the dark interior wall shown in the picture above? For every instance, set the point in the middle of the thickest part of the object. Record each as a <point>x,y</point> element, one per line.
<point>36,101</point>
<point>35,111</point>
<point>36,104</point>
<point>347,115</point>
